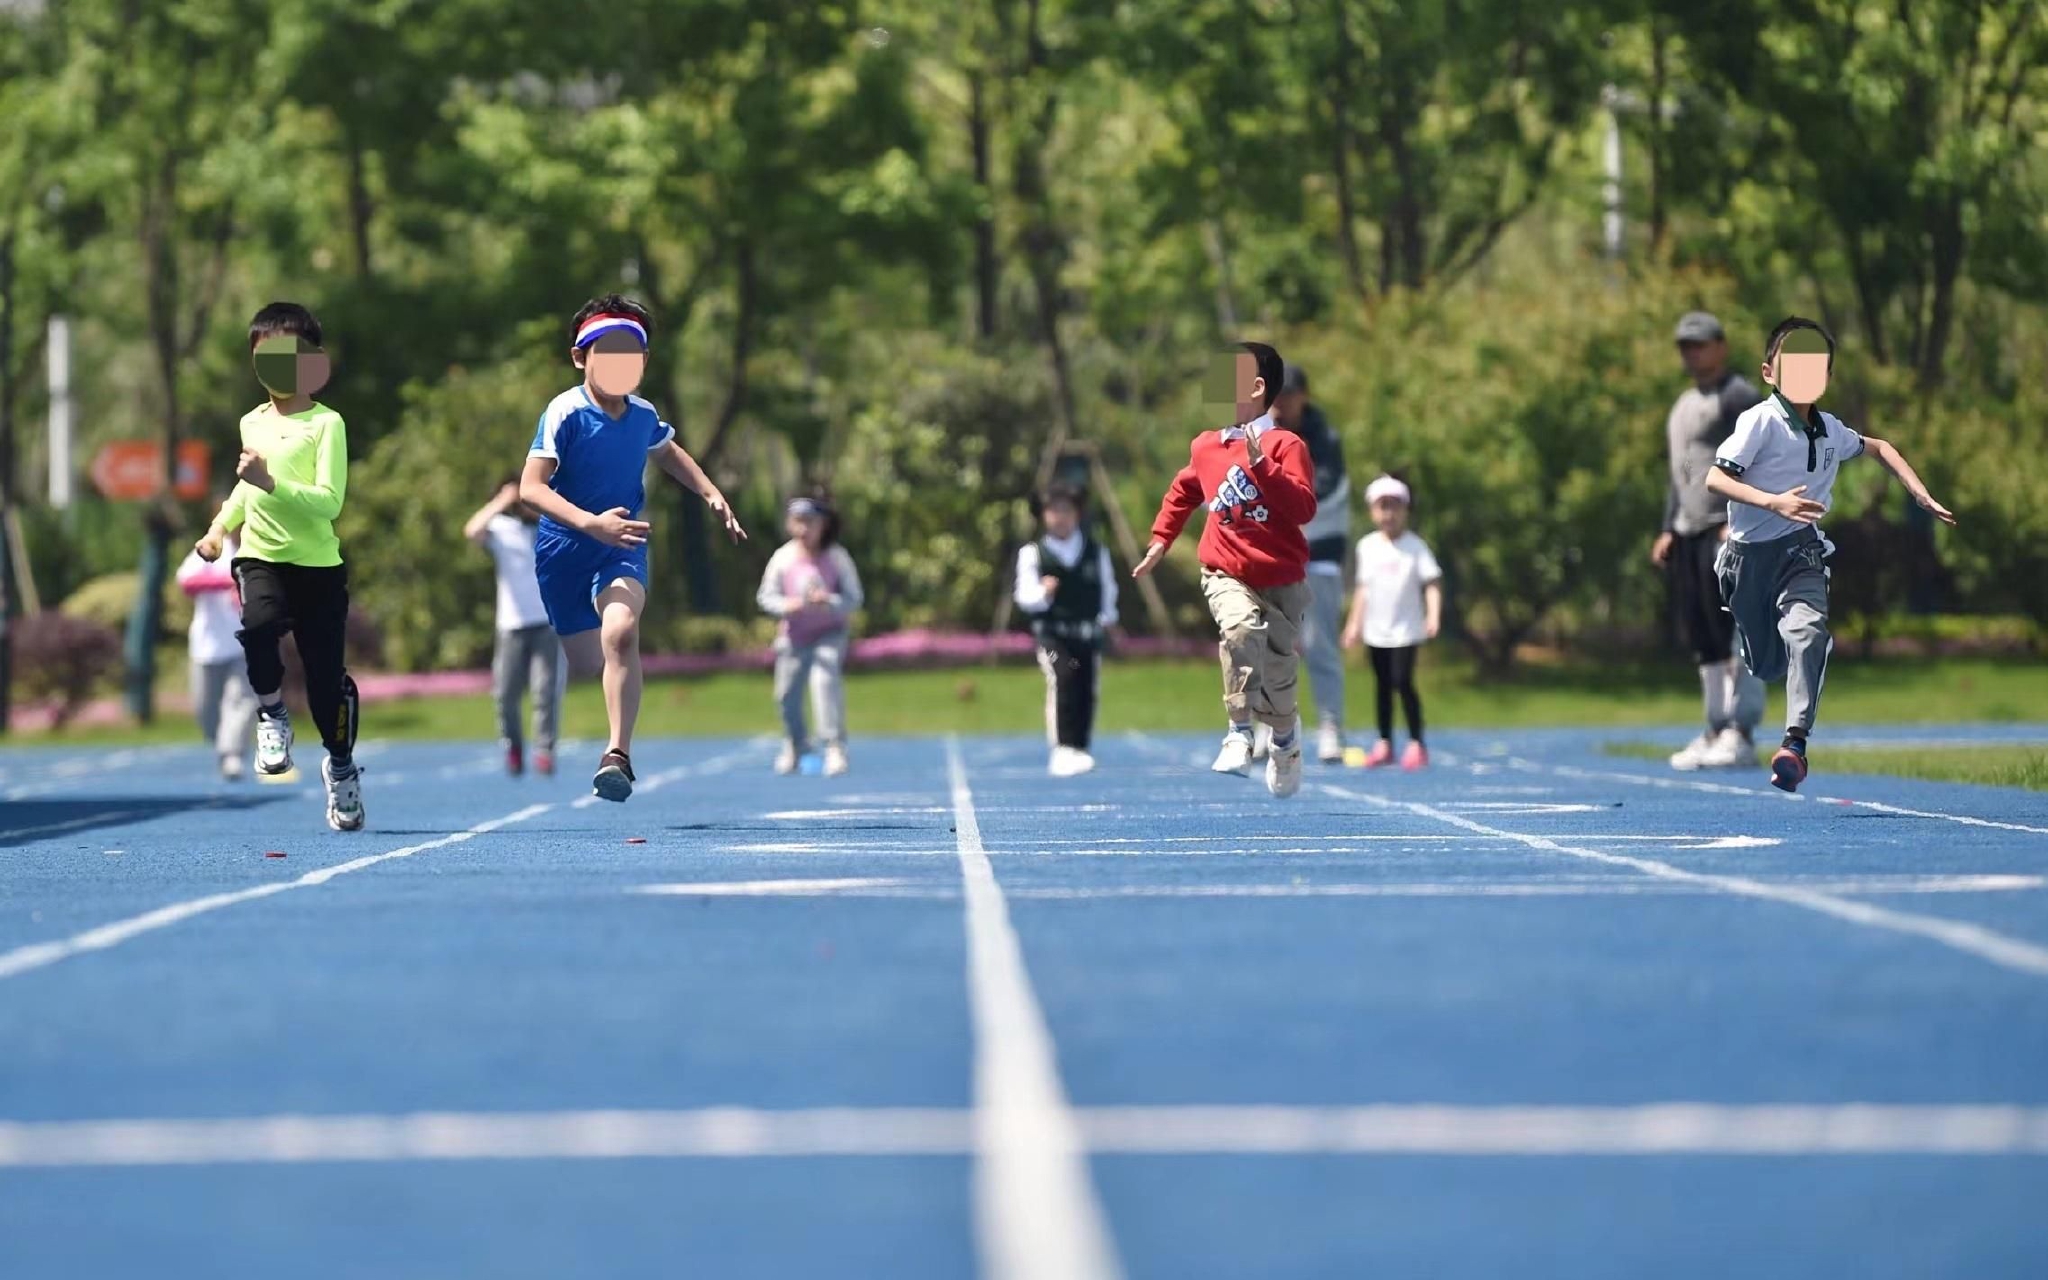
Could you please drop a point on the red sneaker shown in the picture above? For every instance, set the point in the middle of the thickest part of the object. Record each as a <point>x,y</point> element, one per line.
<point>1381,756</point>
<point>1788,769</point>
<point>515,761</point>
<point>544,763</point>
<point>1415,757</point>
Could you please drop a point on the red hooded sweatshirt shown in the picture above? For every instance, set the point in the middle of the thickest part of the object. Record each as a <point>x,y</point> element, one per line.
<point>1255,512</point>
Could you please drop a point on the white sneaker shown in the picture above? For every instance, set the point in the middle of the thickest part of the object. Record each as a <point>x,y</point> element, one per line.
<point>1330,744</point>
<point>1728,750</point>
<point>1283,770</point>
<point>1236,755</point>
<point>1069,762</point>
<point>274,744</point>
<point>785,759</point>
<point>1262,741</point>
<point>344,797</point>
<point>835,759</point>
<point>1693,755</point>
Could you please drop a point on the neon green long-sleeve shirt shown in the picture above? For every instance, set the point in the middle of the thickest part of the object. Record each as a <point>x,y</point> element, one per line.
<point>307,455</point>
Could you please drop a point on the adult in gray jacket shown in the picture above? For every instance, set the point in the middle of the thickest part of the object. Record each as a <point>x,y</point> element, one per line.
<point>1695,526</point>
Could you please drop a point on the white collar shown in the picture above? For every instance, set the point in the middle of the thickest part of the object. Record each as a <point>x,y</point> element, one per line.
<point>1256,428</point>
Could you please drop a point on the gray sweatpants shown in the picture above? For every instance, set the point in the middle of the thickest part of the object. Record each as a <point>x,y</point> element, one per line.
<point>225,705</point>
<point>822,666</point>
<point>1320,652</point>
<point>528,659</point>
<point>1778,594</point>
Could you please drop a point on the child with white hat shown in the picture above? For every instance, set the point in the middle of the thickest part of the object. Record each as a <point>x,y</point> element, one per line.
<point>1397,606</point>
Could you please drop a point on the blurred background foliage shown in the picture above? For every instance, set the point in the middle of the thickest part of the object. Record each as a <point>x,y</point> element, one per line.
<point>893,247</point>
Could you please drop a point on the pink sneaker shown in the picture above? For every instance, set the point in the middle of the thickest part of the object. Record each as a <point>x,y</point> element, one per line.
<point>1381,756</point>
<point>1415,757</point>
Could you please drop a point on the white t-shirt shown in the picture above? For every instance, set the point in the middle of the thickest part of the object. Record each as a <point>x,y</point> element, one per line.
<point>1770,450</point>
<point>510,542</point>
<point>216,616</point>
<point>1393,572</point>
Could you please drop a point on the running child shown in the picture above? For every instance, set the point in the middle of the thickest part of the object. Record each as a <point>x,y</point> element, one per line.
<point>293,479</point>
<point>1259,487</point>
<point>1398,605</point>
<point>1777,471</point>
<point>811,586</point>
<point>222,700</point>
<point>585,475</point>
<point>527,656</point>
<point>1065,583</point>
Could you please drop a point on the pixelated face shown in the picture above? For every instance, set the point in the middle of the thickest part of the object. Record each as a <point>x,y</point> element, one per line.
<point>1061,519</point>
<point>1389,515</point>
<point>289,366</point>
<point>614,363</point>
<point>1704,359</point>
<point>1801,375</point>
<point>1233,379</point>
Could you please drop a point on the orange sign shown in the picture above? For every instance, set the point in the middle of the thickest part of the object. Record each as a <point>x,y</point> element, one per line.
<point>130,470</point>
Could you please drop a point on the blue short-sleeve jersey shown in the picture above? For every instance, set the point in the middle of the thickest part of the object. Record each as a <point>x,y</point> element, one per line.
<point>600,461</point>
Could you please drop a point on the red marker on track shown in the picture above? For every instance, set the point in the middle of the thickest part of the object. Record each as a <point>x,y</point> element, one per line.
<point>274,853</point>
<point>636,839</point>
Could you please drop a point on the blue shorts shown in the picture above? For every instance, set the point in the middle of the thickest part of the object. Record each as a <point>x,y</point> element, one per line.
<point>572,569</point>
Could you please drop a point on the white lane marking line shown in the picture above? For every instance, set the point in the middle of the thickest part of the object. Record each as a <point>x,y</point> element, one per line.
<point>22,959</point>
<point>1766,793</point>
<point>1522,806</point>
<point>73,824</point>
<point>1976,940</point>
<point>1550,887</point>
<point>1036,1210</point>
<point>1847,1129</point>
<point>766,888</point>
<point>819,815</point>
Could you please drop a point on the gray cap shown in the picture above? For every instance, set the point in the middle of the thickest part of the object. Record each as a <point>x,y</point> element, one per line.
<point>1294,379</point>
<point>1698,326</point>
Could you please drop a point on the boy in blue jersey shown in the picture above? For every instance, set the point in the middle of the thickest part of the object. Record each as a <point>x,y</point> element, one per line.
<point>584,475</point>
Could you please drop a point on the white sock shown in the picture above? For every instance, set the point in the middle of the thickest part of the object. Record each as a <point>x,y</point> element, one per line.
<point>1717,687</point>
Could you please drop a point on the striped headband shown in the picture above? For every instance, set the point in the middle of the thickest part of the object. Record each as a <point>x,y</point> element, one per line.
<point>599,325</point>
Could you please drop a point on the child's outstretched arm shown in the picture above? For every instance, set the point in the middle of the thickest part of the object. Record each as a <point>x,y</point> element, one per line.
<point>615,528</point>
<point>671,457</point>
<point>1895,462</point>
<point>1793,504</point>
<point>1182,497</point>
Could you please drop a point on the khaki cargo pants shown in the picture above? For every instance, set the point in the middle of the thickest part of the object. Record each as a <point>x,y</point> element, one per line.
<point>1261,631</point>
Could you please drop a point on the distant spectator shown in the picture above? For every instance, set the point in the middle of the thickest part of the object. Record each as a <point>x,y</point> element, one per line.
<point>1695,526</point>
<point>1329,537</point>
<point>812,586</point>
<point>527,657</point>
<point>222,700</point>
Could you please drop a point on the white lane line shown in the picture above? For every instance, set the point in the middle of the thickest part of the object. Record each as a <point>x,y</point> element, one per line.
<point>1976,940</point>
<point>1550,887</point>
<point>767,888</point>
<point>94,820</point>
<point>38,955</point>
<point>1036,1211</point>
<point>1847,1129</point>
<point>1769,793</point>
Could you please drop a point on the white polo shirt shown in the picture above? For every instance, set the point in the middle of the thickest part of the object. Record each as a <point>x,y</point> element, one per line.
<point>1773,450</point>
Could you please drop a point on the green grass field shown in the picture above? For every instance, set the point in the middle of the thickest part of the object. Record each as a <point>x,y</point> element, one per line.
<point>1991,765</point>
<point>1184,696</point>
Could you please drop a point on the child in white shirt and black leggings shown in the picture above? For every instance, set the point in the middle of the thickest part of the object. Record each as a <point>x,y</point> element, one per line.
<point>1066,585</point>
<point>1398,605</point>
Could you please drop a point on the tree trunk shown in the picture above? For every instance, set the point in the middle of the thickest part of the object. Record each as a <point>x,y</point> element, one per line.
<point>7,391</point>
<point>1407,211</point>
<point>987,267</point>
<point>1658,80</point>
<point>1869,302</point>
<point>360,208</point>
<point>1219,262</point>
<point>1949,242</point>
<point>1342,140</point>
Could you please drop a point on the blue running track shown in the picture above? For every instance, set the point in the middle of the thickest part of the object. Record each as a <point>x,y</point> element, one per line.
<point>1535,1011</point>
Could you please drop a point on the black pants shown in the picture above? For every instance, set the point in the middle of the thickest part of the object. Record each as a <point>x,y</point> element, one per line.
<point>1707,628</point>
<point>1393,671</point>
<point>1071,666</point>
<point>311,604</point>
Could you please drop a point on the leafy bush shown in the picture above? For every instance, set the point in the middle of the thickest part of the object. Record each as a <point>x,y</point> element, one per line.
<point>109,599</point>
<point>61,660</point>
